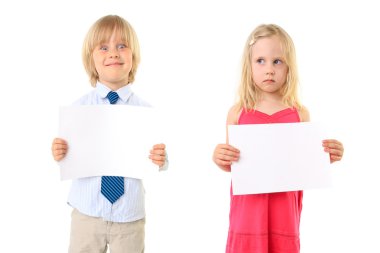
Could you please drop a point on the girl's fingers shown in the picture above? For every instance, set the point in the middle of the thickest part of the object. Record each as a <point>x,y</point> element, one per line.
<point>227,147</point>
<point>333,144</point>
<point>335,158</point>
<point>223,163</point>
<point>228,157</point>
<point>334,148</point>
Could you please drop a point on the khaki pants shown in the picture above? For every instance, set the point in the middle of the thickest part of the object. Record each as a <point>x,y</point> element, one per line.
<point>90,234</point>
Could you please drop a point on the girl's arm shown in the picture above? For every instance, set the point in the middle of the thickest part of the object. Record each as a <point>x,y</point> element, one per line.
<point>225,154</point>
<point>333,147</point>
<point>304,114</point>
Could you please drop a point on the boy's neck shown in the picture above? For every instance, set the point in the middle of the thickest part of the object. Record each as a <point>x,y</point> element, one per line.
<point>114,86</point>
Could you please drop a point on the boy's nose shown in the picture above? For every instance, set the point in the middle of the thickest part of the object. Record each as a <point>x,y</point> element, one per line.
<point>113,53</point>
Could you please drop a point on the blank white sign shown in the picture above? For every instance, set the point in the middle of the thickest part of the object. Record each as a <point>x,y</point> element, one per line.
<point>278,157</point>
<point>112,140</point>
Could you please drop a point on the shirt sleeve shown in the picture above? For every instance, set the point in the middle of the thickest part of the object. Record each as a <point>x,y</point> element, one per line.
<point>165,166</point>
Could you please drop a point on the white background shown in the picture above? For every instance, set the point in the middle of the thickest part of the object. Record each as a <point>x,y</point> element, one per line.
<point>190,68</point>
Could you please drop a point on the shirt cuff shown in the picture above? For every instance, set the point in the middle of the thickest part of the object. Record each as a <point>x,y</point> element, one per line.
<point>165,166</point>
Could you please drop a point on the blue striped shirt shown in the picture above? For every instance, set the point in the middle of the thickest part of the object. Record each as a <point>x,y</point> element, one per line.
<point>85,192</point>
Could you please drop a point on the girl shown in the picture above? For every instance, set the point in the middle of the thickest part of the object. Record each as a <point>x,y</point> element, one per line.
<point>264,223</point>
<point>103,212</point>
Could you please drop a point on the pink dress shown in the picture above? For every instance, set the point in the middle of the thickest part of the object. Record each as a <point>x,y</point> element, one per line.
<point>265,223</point>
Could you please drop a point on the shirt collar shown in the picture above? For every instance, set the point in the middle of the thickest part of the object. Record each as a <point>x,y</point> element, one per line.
<point>124,92</point>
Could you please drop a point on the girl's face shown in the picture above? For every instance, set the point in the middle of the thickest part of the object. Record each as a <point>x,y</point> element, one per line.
<point>113,62</point>
<point>269,69</point>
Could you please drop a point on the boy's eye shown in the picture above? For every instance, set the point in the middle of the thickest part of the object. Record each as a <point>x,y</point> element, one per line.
<point>121,46</point>
<point>103,48</point>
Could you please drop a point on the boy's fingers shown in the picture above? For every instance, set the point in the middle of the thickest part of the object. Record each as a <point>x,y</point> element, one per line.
<point>159,146</point>
<point>157,152</point>
<point>154,157</point>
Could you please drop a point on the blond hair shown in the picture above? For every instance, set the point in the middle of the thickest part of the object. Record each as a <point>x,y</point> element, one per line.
<point>249,94</point>
<point>100,32</point>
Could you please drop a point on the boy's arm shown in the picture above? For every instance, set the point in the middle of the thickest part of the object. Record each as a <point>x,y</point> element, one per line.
<point>59,149</point>
<point>159,157</point>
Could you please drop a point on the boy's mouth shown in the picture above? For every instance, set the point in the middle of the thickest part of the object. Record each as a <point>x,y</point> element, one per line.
<point>114,64</point>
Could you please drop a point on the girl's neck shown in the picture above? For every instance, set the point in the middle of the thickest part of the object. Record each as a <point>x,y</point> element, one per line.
<point>270,99</point>
<point>270,104</point>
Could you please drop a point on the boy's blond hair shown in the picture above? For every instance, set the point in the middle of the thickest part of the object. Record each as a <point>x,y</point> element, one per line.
<point>101,32</point>
<point>249,94</point>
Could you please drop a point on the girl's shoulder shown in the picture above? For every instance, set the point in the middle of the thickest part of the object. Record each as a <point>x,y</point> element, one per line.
<point>233,114</point>
<point>304,114</point>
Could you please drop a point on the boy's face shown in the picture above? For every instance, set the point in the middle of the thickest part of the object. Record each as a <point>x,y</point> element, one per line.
<point>113,62</point>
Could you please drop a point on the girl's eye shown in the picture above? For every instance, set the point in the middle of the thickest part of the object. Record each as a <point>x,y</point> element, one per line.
<point>260,61</point>
<point>277,61</point>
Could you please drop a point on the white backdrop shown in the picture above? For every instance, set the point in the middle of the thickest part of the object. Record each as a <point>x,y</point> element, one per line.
<point>190,68</point>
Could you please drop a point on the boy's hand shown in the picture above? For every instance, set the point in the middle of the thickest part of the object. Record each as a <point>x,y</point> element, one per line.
<point>59,149</point>
<point>224,155</point>
<point>158,154</point>
<point>334,148</point>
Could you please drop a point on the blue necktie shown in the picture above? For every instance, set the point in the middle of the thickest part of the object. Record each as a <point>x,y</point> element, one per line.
<point>112,187</point>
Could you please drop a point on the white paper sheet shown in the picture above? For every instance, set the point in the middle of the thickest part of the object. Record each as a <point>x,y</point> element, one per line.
<point>109,140</point>
<point>278,157</point>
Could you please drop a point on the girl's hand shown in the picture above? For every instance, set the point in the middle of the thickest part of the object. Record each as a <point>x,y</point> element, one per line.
<point>158,154</point>
<point>59,149</point>
<point>224,155</point>
<point>334,148</point>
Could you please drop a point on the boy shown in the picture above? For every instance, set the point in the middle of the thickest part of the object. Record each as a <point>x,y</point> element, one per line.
<point>111,56</point>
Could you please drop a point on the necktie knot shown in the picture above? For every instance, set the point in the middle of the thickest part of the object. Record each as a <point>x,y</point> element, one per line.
<point>112,97</point>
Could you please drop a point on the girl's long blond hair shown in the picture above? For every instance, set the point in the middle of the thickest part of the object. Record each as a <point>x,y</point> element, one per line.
<point>249,94</point>
<point>100,32</point>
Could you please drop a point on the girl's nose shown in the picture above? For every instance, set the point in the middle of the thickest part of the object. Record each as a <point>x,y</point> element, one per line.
<point>270,69</point>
